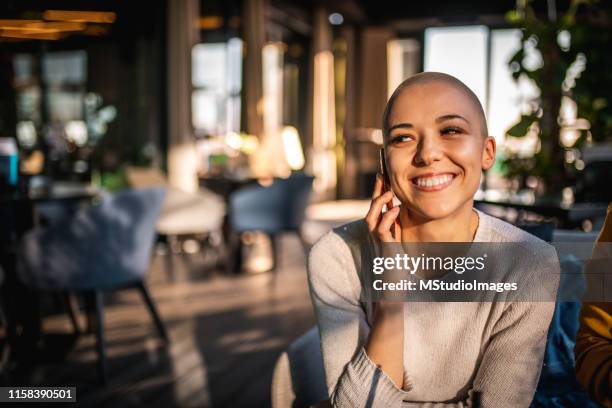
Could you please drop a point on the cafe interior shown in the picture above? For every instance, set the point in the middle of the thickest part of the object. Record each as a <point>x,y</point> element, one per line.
<point>165,167</point>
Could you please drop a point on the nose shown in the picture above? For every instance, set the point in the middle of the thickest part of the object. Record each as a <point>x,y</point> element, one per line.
<point>428,151</point>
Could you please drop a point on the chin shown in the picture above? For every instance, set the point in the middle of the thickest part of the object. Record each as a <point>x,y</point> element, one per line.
<point>440,207</point>
<point>436,211</point>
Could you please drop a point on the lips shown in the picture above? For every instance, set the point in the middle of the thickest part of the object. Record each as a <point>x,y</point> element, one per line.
<point>433,182</point>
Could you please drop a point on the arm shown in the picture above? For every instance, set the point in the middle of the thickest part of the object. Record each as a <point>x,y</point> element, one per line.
<point>594,351</point>
<point>385,344</point>
<point>353,379</point>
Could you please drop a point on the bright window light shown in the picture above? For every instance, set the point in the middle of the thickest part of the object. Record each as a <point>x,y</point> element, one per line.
<point>293,148</point>
<point>460,52</point>
<point>507,98</point>
<point>217,81</point>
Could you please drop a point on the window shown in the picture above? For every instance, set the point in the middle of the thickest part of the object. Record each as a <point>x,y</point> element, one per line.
<point>63,77</point>
<point>65,74</point>
<point>507,99</point>
<point>403,61</point>
<point>460,52</point>
<point>217,83</point>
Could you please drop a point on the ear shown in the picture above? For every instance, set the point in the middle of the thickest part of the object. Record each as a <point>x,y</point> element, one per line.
<point>488,153</point>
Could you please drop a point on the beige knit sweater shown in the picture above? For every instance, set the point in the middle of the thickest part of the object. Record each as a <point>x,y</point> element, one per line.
<point>450,349</point>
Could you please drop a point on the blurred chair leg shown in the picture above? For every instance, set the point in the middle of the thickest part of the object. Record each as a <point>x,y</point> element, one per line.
<point>234,253</point>
<point>213,246</point>
<point>153,310</point>
<point>5,346</point>
<point>165,239</point>
<point>72,307</point>
<point>275,245</point>
<point>95,308</point>
<point>170,266</point>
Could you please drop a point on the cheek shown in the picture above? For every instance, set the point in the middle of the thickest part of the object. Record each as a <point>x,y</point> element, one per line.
<point>399,168</point>
<point>394,163</point>
<point>468,155</point>
<point>399,165</point>
<point>397,162</point>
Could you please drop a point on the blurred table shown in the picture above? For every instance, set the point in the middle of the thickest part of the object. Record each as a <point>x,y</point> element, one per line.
<point>568,216</point>
<point>225,185</point>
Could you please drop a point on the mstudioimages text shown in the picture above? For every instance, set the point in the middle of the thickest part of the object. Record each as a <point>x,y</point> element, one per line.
<point>412,264</point>
<point>440,285</point>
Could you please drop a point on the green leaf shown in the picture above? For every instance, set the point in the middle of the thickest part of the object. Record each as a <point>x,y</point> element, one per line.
<point>514,17</point>
<point>521,128</point>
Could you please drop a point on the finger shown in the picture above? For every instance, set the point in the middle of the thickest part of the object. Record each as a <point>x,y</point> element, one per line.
<point>397,228</point>
<point>390,204</point>
<point>387,225</point>
<point>378,186</point>
<point>376,206</point>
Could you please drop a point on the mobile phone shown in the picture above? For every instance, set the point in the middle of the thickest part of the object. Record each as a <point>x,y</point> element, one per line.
<point>385,175</point>
<point>383,170</point>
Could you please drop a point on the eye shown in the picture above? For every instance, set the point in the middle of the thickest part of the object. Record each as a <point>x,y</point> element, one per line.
<point>397,139</point>
<point>452,130</point>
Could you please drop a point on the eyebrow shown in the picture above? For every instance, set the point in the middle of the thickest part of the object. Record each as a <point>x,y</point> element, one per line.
<point>406,125</point>
<point>451,116</point>
<point>400,126</point>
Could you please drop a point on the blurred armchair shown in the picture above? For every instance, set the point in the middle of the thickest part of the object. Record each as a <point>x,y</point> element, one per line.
<point>102,248</point>
<point>278,208</point>
<point>299,376</point>
<point>183,213</point>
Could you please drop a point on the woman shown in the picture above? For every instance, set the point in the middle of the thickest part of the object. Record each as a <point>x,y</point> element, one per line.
<point>428,354</point>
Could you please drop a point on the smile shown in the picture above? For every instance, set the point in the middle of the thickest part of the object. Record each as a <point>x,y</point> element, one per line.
<point>433,182</point>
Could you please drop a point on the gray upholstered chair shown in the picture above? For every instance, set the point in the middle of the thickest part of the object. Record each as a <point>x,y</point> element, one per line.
<point>278,208</point>
<point>183,213</point>
<point>299,376</point>
<point>104,247</point>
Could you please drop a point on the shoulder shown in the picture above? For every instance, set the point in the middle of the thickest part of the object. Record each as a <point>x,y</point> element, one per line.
<point>340,240</point>
<point>524,249</point>
<point>335,258</point>
<point>502,231</point>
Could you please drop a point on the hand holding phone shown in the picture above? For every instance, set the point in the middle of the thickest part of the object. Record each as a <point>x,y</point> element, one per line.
<point>383,224</point>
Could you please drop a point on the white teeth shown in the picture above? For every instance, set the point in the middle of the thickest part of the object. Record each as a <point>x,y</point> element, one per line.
<point>433,181</point>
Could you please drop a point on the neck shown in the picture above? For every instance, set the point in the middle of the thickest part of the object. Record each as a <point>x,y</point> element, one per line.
<point>459,226</point>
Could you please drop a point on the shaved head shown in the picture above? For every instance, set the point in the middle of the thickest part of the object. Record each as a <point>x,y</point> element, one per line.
<point>438,77</point>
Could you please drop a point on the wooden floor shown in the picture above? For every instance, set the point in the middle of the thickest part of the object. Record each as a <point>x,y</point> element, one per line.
<point>226,334</point>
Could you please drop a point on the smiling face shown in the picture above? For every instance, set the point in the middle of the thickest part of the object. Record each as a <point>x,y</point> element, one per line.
<point>435,148</point>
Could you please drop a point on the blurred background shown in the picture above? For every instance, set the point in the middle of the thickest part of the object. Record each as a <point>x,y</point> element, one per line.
<point>166,165</point>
